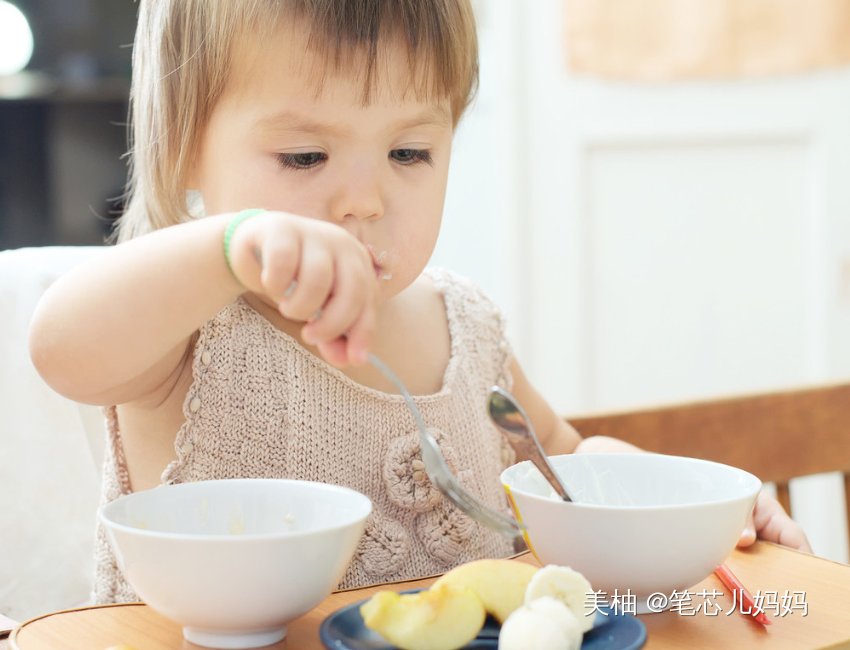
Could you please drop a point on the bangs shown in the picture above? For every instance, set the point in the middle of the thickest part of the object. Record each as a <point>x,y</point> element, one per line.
<point>352,38</point>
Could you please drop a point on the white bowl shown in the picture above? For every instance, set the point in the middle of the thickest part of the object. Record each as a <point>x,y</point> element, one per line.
<point>233,561</point>
<point>640,524</point>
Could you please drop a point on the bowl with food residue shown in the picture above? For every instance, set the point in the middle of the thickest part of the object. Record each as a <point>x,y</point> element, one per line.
<point>233,561</point>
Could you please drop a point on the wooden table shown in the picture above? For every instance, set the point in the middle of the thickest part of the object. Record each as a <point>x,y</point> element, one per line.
<point>765,567</point>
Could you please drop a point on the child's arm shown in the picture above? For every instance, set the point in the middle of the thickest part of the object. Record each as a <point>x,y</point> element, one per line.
<point>114,329</point>
<point>555,434</point>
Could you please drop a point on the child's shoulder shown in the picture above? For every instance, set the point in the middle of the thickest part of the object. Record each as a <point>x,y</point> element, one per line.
<point>459,292</point>
<point>472,316</point>
<point>476,324</point>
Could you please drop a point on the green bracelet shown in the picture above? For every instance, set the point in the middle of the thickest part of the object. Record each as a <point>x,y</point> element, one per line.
<point>232,225</point>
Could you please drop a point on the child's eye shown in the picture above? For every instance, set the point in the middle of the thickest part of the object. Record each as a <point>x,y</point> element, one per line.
<point>411,156</point>
<point>305,160</point>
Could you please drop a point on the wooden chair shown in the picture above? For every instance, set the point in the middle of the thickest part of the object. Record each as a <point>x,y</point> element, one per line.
<point>777,436</point>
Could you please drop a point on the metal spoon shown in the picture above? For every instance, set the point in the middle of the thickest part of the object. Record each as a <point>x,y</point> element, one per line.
<point>438,471</point>
<point>509,416</point>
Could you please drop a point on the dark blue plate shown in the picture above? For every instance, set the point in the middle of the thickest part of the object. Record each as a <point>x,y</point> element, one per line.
<point>344,630</point>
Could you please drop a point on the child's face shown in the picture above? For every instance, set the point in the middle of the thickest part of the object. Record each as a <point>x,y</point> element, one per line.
<point>277,140</point>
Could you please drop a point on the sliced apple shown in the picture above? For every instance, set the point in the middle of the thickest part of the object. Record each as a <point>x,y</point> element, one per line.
<point>500,584</point>
<point>440,618</point>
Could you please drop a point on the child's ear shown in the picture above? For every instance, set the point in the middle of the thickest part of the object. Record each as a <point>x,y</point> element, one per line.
<point>192,180</point>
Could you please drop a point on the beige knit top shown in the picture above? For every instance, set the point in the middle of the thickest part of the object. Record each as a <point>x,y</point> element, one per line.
<point>260,405</point>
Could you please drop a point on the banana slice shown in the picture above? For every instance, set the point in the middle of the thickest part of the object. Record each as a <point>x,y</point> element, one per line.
<point>543,624</point>
<point>566,585</point>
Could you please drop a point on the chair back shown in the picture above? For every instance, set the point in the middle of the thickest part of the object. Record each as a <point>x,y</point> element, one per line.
<point>51,449</point>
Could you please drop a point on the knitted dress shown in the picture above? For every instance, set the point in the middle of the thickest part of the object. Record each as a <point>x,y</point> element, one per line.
<point>260,405</point>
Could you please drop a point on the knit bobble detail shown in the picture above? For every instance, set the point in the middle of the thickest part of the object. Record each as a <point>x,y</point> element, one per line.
<point>405,478</point>
<point>384,546</point>
<point>443,532</point>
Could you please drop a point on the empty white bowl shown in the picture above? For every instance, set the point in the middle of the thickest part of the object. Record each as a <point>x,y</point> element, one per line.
<point>233,561</point>
<point>640,524</point>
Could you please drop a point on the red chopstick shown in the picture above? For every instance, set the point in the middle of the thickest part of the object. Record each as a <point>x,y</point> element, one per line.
<point>724,573</point>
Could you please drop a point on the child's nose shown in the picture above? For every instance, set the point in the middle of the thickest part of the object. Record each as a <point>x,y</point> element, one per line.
<point>358,196</point>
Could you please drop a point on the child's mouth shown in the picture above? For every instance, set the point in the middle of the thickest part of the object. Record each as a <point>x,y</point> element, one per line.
<point>379,259</point>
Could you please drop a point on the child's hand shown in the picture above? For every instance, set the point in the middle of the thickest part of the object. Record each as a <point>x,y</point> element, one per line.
<point>770,522</point>
<point>315,272</point>
<point>605,445</point>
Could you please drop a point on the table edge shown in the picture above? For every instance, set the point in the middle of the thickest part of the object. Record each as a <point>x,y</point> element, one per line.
<point>13,636</point>
<point>795,550</point>
<point>13,645</point>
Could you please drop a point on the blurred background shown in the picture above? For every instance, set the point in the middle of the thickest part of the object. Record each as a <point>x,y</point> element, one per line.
<point>657,192</point>
<point>62,119</point>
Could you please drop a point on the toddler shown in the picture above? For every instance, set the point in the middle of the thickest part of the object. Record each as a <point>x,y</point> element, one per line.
<point>289,164</point>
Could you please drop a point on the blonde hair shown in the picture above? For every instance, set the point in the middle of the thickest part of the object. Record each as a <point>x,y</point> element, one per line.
<point>181,61</point>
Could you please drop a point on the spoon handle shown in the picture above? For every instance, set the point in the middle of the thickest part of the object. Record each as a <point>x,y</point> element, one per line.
<point>546,469</point>
<point>526,448</point>
<point>507,414</point>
